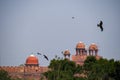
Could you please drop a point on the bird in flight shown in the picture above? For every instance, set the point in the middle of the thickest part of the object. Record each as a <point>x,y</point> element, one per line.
<point>73,17</point>
<point>100,25</point>
<point>39,53</point>
<point>46,57</point>
<point>62,52</point>
<point>43,56</point>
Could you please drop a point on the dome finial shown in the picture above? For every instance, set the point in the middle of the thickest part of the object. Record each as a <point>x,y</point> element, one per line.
<point>80,42</point>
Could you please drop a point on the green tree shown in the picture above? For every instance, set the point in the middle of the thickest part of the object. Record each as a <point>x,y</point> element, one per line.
<point>98,69</point>
<point>4,75</point>
<point>93,69</point>
<point>62,69</point>
<point>89,62</point>
<point>116,73</point>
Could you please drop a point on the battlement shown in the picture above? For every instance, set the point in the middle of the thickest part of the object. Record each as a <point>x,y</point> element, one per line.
<point>29,72</point>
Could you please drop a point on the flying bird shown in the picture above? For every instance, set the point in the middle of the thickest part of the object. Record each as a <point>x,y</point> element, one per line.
<point>73,17</point>
<point>62,52</point>
<point>100,25</point>
<point>46,57</point>
<point>39,53</point>
<point>43,56</point>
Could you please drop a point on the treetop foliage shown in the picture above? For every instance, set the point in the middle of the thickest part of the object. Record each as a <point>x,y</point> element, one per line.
<point>102,69</point>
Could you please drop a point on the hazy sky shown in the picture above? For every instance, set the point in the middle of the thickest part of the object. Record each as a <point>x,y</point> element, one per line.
<point>46,26</point>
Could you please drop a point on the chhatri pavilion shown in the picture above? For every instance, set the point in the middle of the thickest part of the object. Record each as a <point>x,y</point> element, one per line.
<point>32,70</point>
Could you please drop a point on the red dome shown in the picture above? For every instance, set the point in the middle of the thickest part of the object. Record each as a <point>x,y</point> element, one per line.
<point>66,52</point>
<point>32,60</point>
<point>93,46</point>
<point>80,45</point>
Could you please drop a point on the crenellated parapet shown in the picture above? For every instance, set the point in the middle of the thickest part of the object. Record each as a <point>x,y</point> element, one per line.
<point>22,69</point>
<point>25,71</point>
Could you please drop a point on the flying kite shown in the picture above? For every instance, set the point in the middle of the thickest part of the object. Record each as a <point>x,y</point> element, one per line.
<point>43,56</point>
<point>73,17</point>
<point>100,25</point>
<point>39,53</point>
<point>46,57</point>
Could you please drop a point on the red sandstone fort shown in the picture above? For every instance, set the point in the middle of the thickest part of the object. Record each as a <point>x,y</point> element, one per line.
<point>32,69</point>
